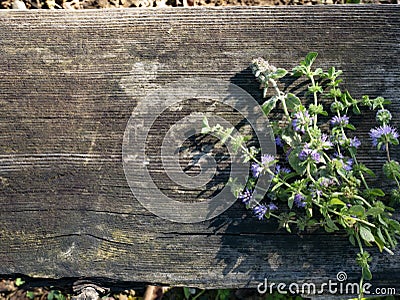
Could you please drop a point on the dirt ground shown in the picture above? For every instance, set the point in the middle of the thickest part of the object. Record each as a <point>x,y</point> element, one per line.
<point>90,4</point>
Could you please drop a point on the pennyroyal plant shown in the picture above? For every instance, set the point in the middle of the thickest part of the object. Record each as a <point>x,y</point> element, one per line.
<point>316,173</point>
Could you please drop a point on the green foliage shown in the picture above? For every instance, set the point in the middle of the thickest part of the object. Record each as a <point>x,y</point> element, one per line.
<point>55,295</point>
<point>30,295</point>
<point>223,294</point>
<point>19,281</point>
<point>323,183</point>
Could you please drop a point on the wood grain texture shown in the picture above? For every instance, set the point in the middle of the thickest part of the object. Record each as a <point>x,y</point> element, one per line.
<point>69,83</point>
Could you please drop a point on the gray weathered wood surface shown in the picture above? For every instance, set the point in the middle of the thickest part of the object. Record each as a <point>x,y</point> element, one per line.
<point>69,82</point>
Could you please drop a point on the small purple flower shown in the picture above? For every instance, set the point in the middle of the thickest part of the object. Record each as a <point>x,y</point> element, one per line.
<point>288,153</point>
<point>278,141</point>
<point>340,121</point>
<point>301,120</point>
<point>307,152</point>
<point>348,165</point>
<point>383,134</point>
<point>272,207</point>
<point>299,201</point>
<point>260,211</point>
<point>355,142</point>
<point>326,182</point>
<point>267,159</point>
<point>326,143</point>
<point>316,156</point>
<point>246,196</point>
<point>256,170</point>
<point>316,192</point>
<point>281,170</point>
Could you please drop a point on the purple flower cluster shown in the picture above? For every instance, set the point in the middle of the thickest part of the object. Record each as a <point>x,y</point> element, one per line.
<point>326,143</point>
<point>256,170</point>
<point>282,170</point>
<point>340,121</point>
<point>383,134</point>
<point>306,153</point>
<point>347,163</point>
<point>355,142</point>
<point>246,196</point>
<point>266,161</point>
<point>278,141</point>
<point>326,182</point>
<point>301,120</point>
<point>299,201</point>
<point>260,210</point>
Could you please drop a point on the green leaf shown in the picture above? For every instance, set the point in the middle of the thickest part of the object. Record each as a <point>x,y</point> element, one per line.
<point>279,73</point>
<point>337,201</point>
<point>363,168</point>
<point>366,273</point>
<point>300,70</point>
<point>350,126</point>
<point>356,109</point>
<point>375,211</point>
<point>315,89</point>
<point>317,110</point>
<point>379,243</point>
<point>331,224</point>
<point>226,134</point>
<point>223,294</point>
<point>287,138</point>
<point>357,210</point>
<point>365,234</point>
<point>378,102</point>
<point>50,295</point>
<point>295,162</point>
<point>265,91</point>
<point>352,240</point>
<point>205,127</point>
<point>380,235</point>
<point>186,292</point>
<point>291,201</point>
<point>19,281</point>
<point>30,295</point>
<point>310,58</point>
<point>376,192</point>
<point>318,72</point>
<point>392,169</point>
<point>292,101</point>
<point>269,105</point>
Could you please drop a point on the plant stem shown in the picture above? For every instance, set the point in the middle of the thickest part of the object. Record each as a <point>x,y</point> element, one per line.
<point>363,200</point>
<point>360,172</point>
<point>309,174</point>
<point>315,98</point>
<point>389,160</point>
<point>199,294</point>
<point>280,95</point>
<point>387,151</point>
<point>339,214</point>
<point>360,286</point>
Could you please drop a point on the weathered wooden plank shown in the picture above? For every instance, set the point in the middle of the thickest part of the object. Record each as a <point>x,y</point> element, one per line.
<point>70,81</point>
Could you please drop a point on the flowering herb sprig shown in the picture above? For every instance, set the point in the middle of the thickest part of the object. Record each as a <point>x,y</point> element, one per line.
<point>317,173</point>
